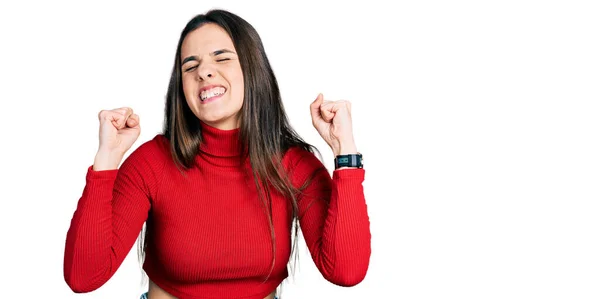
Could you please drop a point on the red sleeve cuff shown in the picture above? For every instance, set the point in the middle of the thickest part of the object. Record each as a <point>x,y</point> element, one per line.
<point>109,174</point>
<point>349,173</point>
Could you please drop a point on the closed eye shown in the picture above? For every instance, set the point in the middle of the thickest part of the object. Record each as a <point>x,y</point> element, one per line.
<point>191,68</point>
<point>223,59</point>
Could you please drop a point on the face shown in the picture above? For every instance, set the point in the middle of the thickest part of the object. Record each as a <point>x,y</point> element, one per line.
<point>212,77</point>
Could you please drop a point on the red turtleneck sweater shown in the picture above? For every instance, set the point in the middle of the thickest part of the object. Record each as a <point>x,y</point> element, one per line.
<point>209,234</point>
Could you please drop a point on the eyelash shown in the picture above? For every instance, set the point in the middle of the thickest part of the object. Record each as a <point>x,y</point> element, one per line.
<point>193,67</point>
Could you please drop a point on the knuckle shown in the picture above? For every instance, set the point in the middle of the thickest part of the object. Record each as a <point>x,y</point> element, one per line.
<point>103,114</point>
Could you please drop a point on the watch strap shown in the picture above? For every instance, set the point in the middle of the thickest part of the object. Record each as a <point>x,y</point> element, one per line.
<point>350,160</point>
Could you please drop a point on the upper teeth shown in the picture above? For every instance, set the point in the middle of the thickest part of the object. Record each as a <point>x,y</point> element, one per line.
<point>211,93</point>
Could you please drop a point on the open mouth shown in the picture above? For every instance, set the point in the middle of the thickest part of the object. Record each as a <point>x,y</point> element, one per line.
<point>211,93</point>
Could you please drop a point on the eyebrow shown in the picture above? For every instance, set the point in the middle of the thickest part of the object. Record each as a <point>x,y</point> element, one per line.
<point>215,53</point>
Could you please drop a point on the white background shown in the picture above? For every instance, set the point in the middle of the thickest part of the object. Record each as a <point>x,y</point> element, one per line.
<point>478,121</point>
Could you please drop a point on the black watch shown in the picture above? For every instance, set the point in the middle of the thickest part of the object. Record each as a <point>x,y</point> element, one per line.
<point>351,160</point>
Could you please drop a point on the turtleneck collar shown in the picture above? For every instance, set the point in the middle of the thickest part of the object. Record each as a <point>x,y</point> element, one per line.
<point>219,143</point>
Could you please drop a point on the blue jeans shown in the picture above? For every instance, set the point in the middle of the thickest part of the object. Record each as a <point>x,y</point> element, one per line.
<point>145,296</point>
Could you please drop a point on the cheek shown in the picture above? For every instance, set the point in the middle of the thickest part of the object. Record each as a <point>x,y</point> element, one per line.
<point>238,81</point>
<point>185,82</point>
<point>188,85</point>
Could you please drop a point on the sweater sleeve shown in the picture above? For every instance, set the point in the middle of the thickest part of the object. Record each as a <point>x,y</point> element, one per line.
<point>108,218</point>
<point>333,219</point>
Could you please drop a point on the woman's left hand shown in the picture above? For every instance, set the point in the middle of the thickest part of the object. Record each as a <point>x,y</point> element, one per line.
<point>333,121</point>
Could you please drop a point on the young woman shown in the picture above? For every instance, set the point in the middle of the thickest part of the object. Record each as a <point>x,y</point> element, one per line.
<point>224,186</point>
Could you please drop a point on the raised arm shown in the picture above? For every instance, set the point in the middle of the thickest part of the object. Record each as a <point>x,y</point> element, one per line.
<point>109,216</point>
<point>114,203</point>
<point>333,211</point>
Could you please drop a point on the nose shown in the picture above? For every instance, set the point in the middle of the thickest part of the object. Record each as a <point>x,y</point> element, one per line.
<point>205,71</point>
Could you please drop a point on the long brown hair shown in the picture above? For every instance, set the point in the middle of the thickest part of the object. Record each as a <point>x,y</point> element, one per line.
<point>265,131</point>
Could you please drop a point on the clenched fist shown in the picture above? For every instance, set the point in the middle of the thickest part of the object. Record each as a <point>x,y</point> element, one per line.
<point>333,121</point>
<point>119,129</point>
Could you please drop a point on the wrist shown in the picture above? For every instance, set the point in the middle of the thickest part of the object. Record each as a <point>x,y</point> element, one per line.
<point>107,160</point>
<point>345,149</point>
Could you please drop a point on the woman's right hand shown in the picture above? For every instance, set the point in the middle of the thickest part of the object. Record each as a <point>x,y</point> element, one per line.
<point>119,129</point>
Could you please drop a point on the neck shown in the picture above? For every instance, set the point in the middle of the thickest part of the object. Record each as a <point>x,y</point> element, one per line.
<point>220,142</point>
<point>229,124</point>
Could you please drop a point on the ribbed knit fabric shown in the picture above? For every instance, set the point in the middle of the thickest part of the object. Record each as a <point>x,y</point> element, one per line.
<point>209,234</point>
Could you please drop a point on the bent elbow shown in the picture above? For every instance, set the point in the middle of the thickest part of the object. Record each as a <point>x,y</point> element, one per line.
<point>78,283</point>
<point>349,278</point>
<point>77,286</point>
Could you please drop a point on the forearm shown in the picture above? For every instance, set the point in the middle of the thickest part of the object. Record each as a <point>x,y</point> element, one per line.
<point>109,216</point>
<point>338,231</point>
<point>107,160</point>
<point>352,235</point>
<point>345,148</point>
<point>87,260</point>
